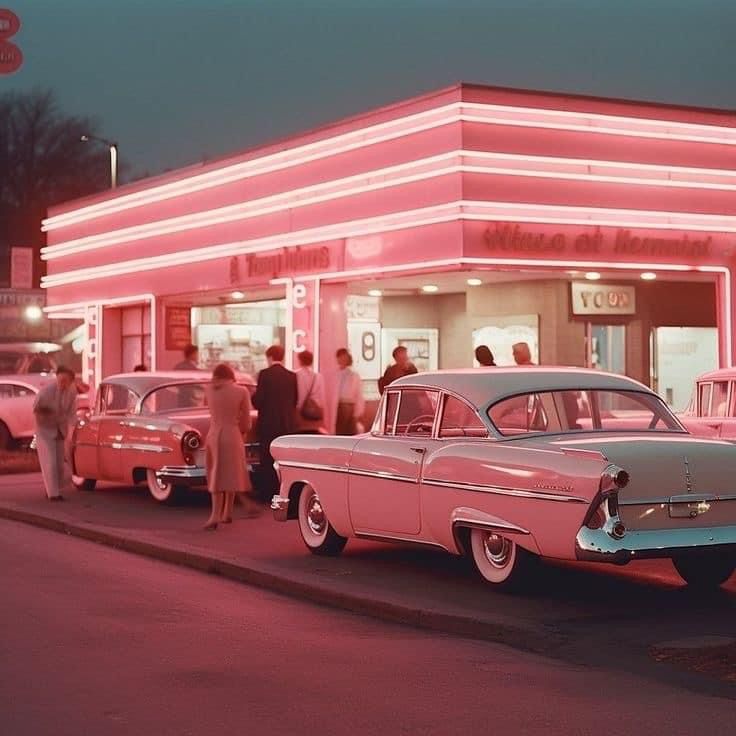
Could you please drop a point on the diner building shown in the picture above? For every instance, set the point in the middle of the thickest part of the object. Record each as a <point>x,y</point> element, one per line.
<point>602,232</point>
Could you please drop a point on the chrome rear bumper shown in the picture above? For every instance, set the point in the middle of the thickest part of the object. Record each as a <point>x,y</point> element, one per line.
<point>183,475</point>
<point>596,545</point>
<point>280,508</point>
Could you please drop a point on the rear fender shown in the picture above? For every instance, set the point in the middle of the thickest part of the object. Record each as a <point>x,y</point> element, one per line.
<point>466,517</point>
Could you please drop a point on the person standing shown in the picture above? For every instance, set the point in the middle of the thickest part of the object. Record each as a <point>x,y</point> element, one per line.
<point>484,356</point>
<point>310,404</point>
<point>227,473</point>
<point>522,353</point>
<point>54,411</point>
<point>349,396</point>
<point>275,398</point>
<point>402,366</point>
<point>191,359</point>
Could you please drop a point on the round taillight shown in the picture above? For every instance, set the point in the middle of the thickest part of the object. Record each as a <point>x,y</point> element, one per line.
<point>191,441</point>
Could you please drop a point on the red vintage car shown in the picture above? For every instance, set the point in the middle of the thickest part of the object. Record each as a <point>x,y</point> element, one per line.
<point>149,427</point>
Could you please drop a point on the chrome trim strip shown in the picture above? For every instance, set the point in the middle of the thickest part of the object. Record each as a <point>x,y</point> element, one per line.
<point>595,545</point>
<point>182,471</point>
<point>313,466</point>
<point>478,488</point>
<point>476,523</point>
<point>158,449</point>
<point>693,497</point>
<point>398,538</point>
<point>352,471</point>
<point>280,508</point>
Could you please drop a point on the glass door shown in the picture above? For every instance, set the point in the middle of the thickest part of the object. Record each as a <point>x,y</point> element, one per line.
<point>606,347</point>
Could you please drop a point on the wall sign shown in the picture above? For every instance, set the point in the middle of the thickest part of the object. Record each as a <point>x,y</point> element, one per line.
<point>21,268</point>
<point>591,299</point>
<point>178,326</point>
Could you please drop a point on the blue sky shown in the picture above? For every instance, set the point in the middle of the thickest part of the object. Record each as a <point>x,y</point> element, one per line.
<point>176,81</point>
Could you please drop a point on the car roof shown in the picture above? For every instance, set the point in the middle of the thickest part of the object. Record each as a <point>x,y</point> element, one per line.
<point>141,382</point>
<point>720,374</point>
<point>28,379</point>
<point>483,386</point>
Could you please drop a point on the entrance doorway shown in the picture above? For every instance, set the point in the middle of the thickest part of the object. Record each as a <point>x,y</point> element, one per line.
<point>606,347</point>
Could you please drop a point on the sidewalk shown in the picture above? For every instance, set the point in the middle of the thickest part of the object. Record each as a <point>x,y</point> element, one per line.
<point>416,586</point>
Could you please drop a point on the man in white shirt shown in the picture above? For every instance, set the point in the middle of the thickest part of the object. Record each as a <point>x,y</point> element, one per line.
<point>310,417</point>
<point>54,410</point>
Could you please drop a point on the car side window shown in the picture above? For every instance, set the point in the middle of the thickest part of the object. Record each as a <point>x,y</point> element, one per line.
<point>117,400</point>
<point>392,405</point>
<point>417,408</point>
<point>719,402</point>
<point>522,414</point>
<point>459,420</point>
<point>704,392</point>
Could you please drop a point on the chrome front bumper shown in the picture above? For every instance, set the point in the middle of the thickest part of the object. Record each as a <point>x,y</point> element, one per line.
<point>183,475</point>
<point>280,508</point>
<point>596,545</point>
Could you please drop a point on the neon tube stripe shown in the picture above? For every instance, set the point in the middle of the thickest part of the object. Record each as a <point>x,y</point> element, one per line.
<point>298,197</point>
<point>461,210</point>
<point>451,113</point>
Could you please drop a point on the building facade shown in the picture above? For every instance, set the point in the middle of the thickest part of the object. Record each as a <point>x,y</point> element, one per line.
<point>601,232</point>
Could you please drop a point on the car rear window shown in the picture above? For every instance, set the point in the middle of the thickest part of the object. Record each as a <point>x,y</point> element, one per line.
<point>584,410</point>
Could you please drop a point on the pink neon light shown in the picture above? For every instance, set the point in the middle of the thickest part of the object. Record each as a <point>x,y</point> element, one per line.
<point>461,210</point>
<point>638,127</point>
<point>340,188</point>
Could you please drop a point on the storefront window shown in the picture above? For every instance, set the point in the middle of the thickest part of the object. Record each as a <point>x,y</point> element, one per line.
<point>135,337</point>
<point>238,334</point>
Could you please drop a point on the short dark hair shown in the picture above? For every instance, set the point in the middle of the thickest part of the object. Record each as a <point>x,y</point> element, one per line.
<point>484,355</point>
<point>305,358</point>
<point>190,349</point>
<point>344,353</point>
<point>62,370</point>
<point>223,372</point>
<point>140,368</point>
<point>275,352</point>
<point>398,349</point>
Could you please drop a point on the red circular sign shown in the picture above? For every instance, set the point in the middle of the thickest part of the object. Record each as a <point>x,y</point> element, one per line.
<point>11,57</point>
<point>9,23</point>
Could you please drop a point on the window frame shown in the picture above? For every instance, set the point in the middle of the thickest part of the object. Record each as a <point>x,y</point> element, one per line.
<point>445,397</point>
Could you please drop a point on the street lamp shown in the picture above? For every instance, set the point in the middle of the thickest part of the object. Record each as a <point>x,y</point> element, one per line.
<point>113,155</point>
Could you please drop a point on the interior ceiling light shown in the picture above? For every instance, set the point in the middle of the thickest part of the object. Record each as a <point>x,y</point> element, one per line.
<point>474,282</point>
<point>648,276</point>
<point>430,288</point>
<point>592,275</point>
<point>375,292</point>
<point>237,295</point>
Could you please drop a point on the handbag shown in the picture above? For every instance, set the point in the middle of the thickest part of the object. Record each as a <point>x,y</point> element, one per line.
<point>310,409</point>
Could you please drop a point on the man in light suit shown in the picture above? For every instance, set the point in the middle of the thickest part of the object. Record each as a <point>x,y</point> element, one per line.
<point>54,411</point>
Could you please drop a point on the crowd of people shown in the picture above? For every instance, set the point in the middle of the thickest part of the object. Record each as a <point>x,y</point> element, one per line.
<point>288,402</point>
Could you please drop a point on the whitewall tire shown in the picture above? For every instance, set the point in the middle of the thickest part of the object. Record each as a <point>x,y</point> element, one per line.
<point>162,492</point>
<point>499,560</point>
<point>316,530</point>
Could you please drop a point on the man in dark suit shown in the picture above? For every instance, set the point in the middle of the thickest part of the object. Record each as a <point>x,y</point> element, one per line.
<point>275,398</point>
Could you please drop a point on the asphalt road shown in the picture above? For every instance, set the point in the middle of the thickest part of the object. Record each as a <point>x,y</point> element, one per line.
<point>97,641</point>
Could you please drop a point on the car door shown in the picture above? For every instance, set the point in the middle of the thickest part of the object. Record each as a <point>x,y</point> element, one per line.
<point>117,402</point>
<point>85,441</point>
<point>386,466</point>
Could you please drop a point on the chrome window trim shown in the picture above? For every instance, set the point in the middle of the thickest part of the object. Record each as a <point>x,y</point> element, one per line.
<point>495,490</point>
<point>451,394</point>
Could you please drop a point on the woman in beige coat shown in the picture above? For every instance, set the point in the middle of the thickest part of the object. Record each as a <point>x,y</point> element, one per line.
<point>227,473</point>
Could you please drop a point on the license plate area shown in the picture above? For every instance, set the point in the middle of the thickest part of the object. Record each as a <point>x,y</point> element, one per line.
<point>690,506</point>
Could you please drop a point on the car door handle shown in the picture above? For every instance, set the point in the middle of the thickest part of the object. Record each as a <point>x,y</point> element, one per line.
<point>420,450</point>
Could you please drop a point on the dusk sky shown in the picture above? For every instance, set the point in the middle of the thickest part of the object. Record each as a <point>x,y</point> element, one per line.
<point>176,81</point>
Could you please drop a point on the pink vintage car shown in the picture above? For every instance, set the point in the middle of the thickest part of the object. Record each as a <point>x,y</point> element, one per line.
<point>149,427</point>
<point>508,465</point>
<point>712,409</point>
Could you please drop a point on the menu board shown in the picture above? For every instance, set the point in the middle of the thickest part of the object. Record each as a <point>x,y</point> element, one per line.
<point>178,327</point>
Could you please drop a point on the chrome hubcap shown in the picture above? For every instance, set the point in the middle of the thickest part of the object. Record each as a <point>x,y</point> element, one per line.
<point>316,516</point>
<point>497,550</point>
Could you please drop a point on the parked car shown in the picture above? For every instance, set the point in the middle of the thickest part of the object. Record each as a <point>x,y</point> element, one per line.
<point>508,465</point>
<point>28,357</point>
<point>17,394</point>
<point>712,408</point>
<point>148,427</point>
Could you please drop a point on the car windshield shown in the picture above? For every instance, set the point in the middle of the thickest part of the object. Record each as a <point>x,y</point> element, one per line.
<point>178,397</point>
<point>584,410</point>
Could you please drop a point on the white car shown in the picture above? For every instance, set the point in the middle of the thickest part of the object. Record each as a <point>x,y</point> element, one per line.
<point>17,394</point>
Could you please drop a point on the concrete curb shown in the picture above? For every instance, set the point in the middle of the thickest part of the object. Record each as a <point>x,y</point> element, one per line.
<point>500,632</point>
